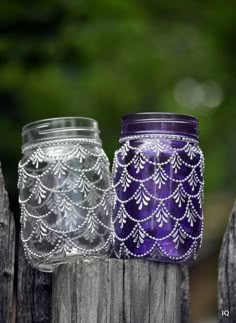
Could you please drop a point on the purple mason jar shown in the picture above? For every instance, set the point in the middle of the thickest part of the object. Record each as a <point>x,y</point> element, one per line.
<point>158,188</point>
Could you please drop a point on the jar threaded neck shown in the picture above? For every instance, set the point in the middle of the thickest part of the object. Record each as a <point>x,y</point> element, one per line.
<point>159,124</point>
<point>59,129</point>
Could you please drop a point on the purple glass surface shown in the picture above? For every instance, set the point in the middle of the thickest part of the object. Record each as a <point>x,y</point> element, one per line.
<point>158,188</point>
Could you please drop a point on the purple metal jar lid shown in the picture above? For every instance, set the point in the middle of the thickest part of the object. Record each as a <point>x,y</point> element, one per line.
<point>159,123</point>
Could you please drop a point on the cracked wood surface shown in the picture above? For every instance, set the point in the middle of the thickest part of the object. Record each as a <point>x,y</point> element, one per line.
<point>227,272</point>
<point>7,255</point>
<point>120,291</point>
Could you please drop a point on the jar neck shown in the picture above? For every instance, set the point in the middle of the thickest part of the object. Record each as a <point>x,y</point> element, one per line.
<point>163,124</point>
<point>61,129</point>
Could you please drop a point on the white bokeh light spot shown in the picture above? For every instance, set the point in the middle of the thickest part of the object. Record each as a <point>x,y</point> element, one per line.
<point>190,93</point>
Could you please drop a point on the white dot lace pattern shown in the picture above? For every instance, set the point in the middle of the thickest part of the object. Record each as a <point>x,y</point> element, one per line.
<point>65,200</point>
<point>137,157</point>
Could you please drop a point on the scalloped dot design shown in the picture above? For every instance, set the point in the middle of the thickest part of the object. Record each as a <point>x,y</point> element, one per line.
<point>65,201</point>
<point>158,195</point>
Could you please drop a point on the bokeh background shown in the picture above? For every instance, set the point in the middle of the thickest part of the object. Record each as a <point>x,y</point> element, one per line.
<point>106,58</point>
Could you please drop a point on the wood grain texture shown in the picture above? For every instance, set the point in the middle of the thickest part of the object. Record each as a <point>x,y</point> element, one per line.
<point>185,295</point>
<point>33,293</point>
<point>116,291</point>
<point>227,272</point>
<point>7,255</point>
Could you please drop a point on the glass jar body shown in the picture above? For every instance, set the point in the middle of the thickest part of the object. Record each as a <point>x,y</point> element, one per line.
<point>65,201</point>
<point>158,194</point>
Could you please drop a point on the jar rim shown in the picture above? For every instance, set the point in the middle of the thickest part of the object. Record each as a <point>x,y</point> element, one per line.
<point>31,125</point>
<point>159,123</point>
<point>145,116</point>
<point>60,128</point>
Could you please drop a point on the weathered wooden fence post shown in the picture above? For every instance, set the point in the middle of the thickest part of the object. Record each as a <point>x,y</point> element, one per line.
<point>7,255</point>
<point>227,273</point>
<point>120,291</point>
<point>185,295</point>
<point>33,293</point>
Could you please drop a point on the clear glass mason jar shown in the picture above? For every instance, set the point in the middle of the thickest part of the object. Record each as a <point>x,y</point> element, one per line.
<point>64,192</point>
<point>158,188</point>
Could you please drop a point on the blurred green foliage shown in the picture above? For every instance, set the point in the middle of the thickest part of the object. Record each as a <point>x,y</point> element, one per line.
<point>106,58</point>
